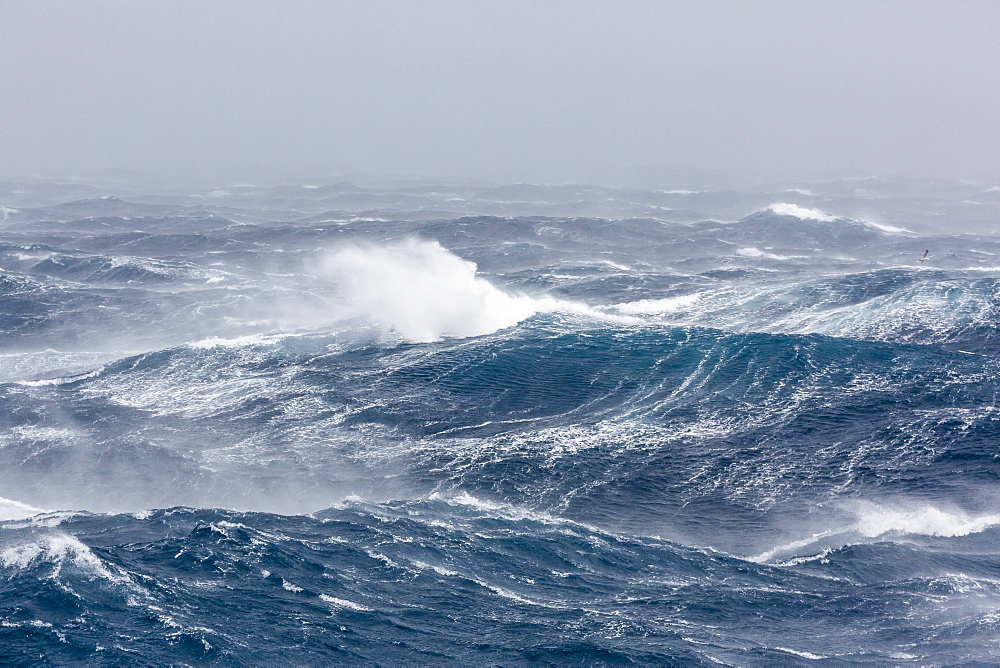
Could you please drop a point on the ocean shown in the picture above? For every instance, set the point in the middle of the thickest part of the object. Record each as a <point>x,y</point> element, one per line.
<point>529,424</point>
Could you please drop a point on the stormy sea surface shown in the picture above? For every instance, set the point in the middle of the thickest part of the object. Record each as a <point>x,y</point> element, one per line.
<point>320,424</point>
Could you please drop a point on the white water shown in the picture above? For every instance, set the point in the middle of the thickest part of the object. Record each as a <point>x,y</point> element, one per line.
<point>15,510</point>
<point>875,520</point>
<point>804,213</point>
<point>890,520</point>
<point>421,291</point>
<point>786,209</point>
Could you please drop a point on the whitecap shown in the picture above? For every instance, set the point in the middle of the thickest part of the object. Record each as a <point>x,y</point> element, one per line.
<point>875,520</point>
<point>343,603</point>
<point>793,545</point>
<point>615,265</point>
<point>60,549</point>
<point>656,306</point>
<point>878,520</point>
<point>15,510</point>
<point>290,586</point>
<point>786,209</point>
<point>422,291</point>
<point>235,342</point>
<point>804,655</point>
<point>887,228</point>
<point>756,252</point>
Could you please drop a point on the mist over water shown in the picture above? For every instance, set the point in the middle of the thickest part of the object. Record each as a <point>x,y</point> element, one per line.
<point>650,415</point>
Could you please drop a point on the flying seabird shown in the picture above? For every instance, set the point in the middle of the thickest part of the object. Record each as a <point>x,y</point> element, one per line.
<point>926,256</point>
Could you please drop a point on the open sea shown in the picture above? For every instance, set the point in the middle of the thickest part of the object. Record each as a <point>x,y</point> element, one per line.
<point>469,425</point>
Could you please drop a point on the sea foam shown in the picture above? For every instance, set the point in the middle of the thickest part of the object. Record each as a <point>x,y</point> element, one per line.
<point>423,292</point>
<point>875,520</point>
<point>786,209</point>
<point>15,510</point>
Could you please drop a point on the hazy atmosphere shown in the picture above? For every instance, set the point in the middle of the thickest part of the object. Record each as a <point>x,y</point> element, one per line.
<point>608,93</point>
<point>499,333</point>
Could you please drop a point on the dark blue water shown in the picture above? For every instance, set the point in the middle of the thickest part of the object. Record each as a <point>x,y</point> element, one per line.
<point>499,426</point>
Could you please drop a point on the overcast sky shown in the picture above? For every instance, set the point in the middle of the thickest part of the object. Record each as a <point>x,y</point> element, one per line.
<point>504,91</point>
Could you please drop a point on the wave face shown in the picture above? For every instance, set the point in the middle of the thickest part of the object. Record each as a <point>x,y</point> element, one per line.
<point>496,426</point>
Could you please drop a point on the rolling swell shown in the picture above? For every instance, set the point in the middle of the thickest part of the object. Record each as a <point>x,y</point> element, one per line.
<point>365,582</point>
<point>556,414</point>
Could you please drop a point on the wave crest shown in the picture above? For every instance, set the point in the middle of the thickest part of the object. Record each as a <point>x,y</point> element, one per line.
<point>786,209</point>
<point>875,520</point>
<point>422,291</point>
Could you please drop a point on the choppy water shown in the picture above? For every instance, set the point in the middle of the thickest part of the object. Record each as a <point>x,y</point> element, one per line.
<point>500,425</point>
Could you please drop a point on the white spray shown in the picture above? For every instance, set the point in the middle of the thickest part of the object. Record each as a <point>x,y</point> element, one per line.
<point>422,291</point>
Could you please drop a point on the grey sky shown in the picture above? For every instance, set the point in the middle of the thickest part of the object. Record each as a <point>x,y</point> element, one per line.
<point>550,91</point>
